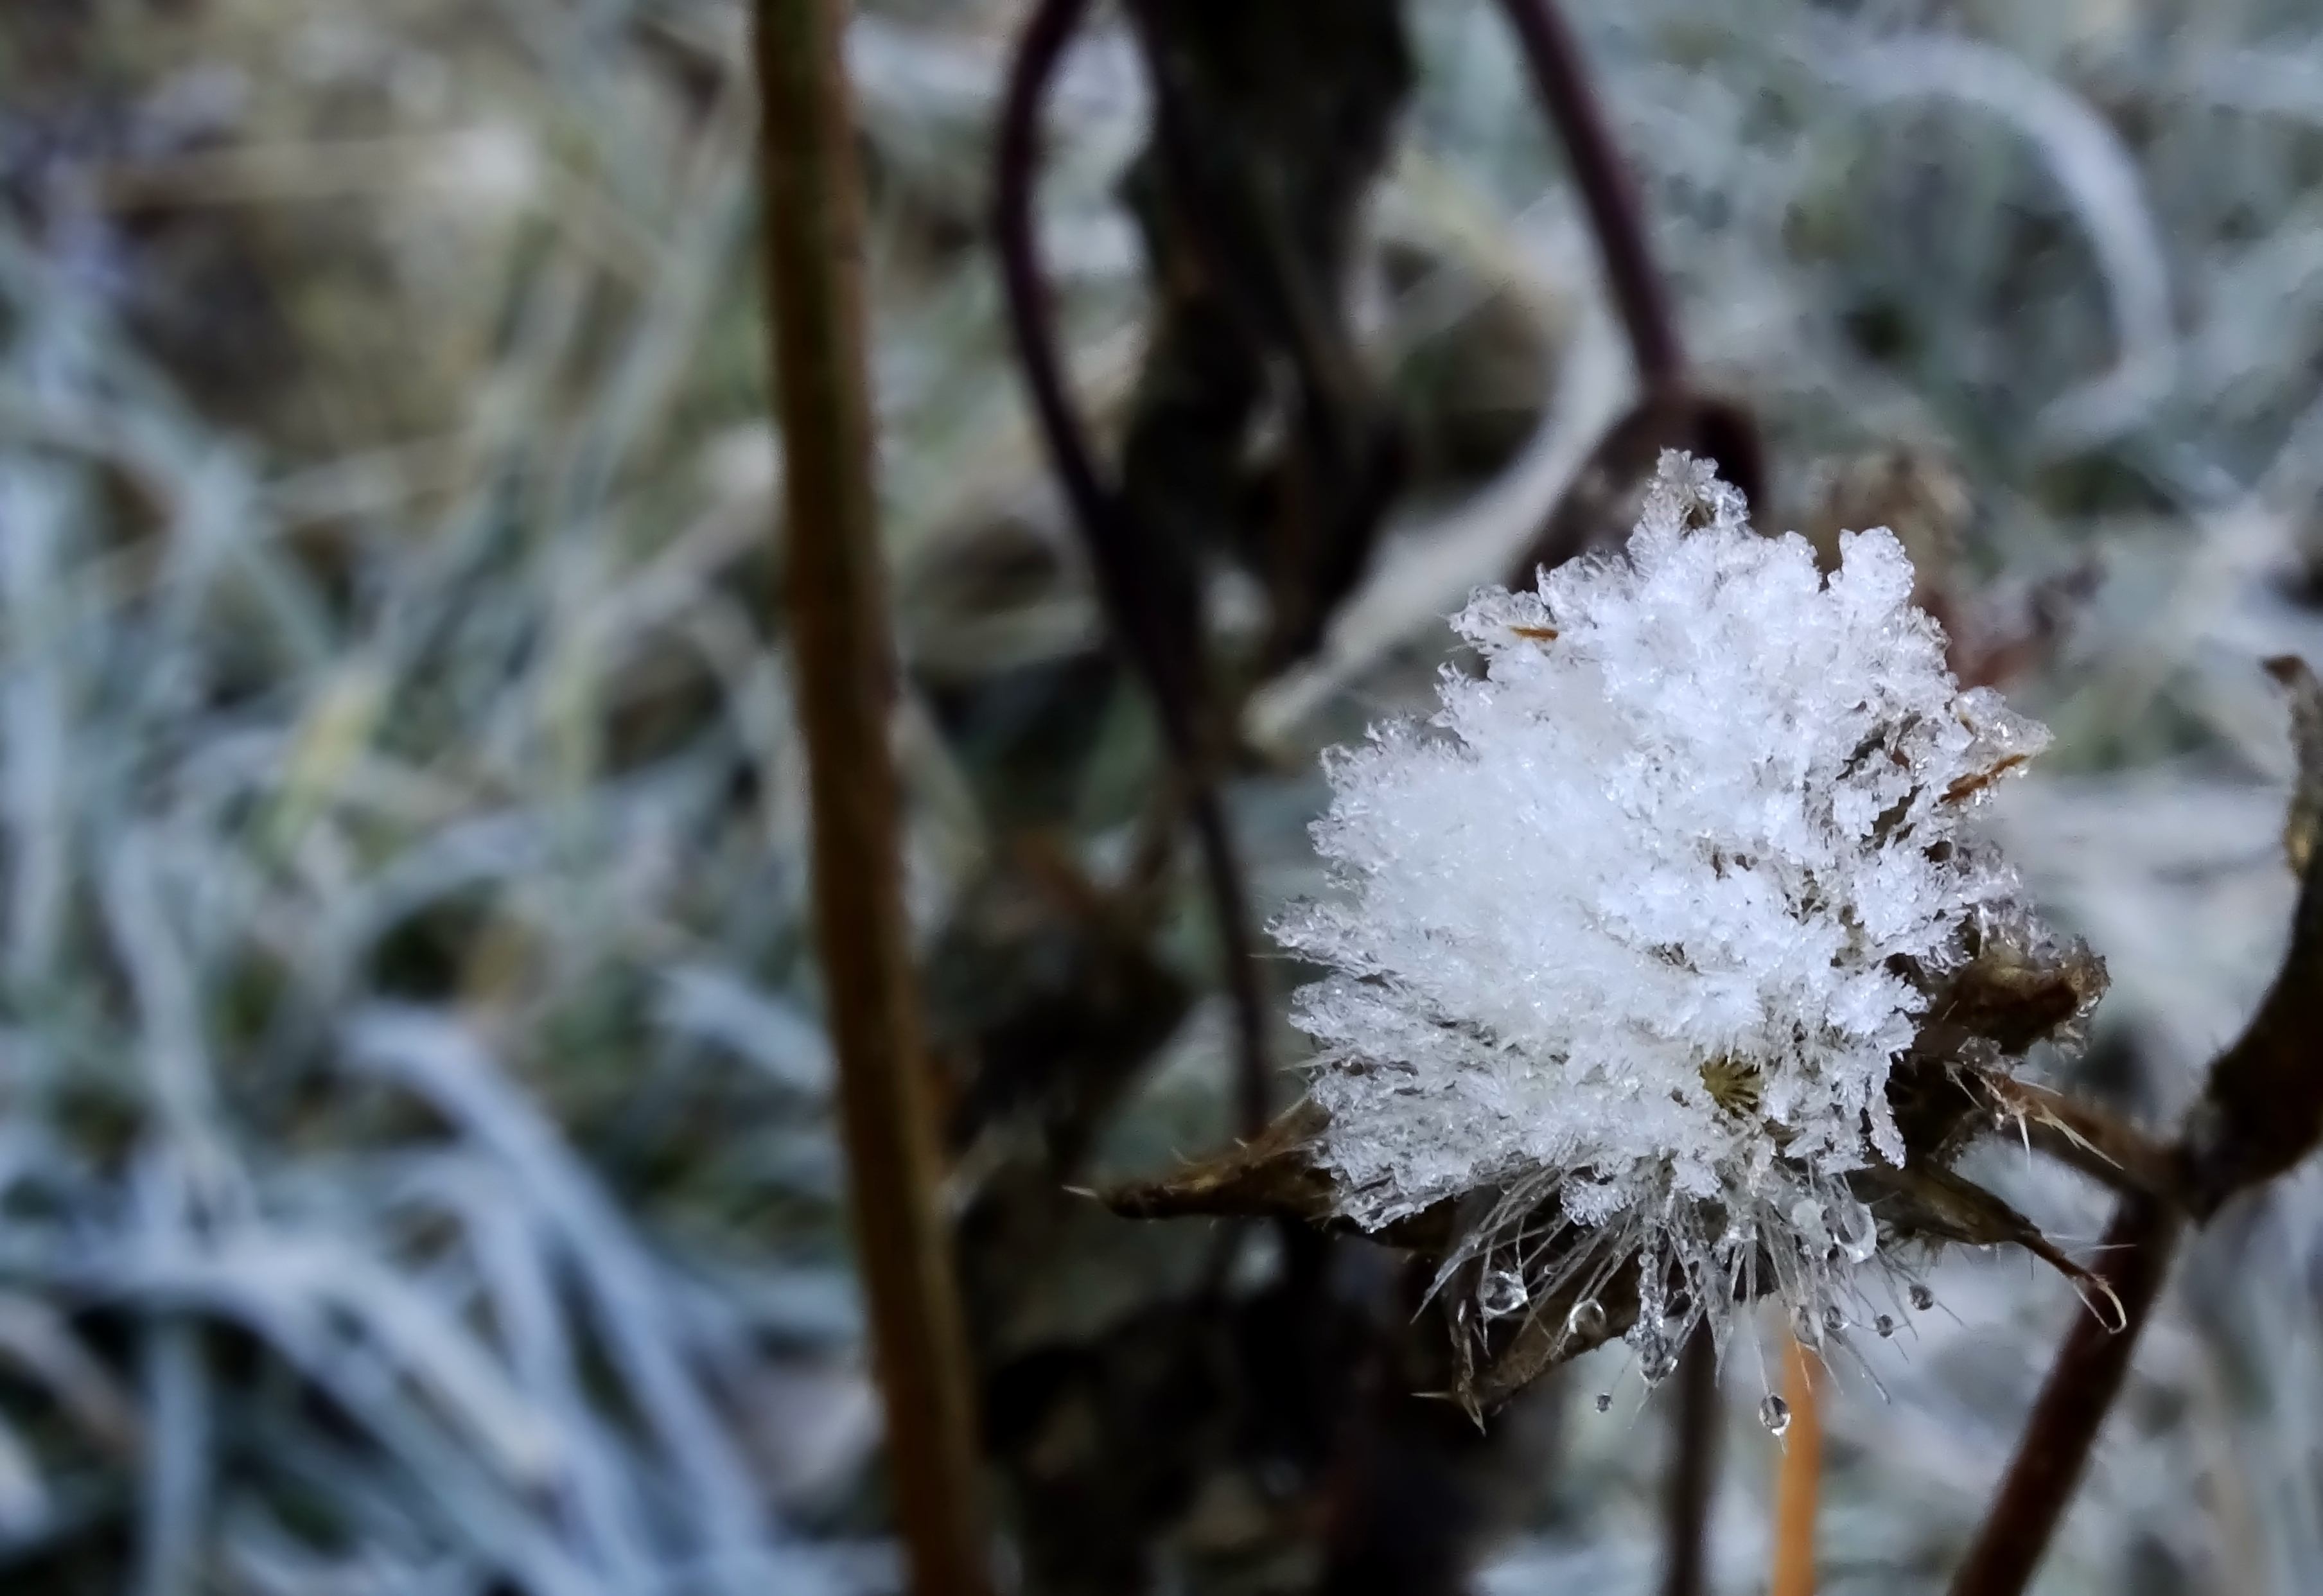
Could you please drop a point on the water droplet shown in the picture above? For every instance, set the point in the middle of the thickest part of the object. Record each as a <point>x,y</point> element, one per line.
<point>1586,1321</point>
<point>1775,1415</point>
<point>1604,1400</point>
<point>1833,1321</point>
<point>1501,1294</point>
<point>1803,1327</point>
<point>1859,1233</point>
<point>1657,1360</point>
<point>1922,1299</point>
<point>1885,1326</point>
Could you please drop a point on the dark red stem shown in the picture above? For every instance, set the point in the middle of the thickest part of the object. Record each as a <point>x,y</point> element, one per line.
<point>1608,190</point>
<point>1109,531</point>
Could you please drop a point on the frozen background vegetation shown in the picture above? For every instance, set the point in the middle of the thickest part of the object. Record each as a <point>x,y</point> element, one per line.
<point>415,1171</point>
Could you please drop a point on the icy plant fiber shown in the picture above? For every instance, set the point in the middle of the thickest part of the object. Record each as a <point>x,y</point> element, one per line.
<point>1643,918</point>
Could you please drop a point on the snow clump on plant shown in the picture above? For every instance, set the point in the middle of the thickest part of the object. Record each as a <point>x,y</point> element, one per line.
<point>1631,933</point>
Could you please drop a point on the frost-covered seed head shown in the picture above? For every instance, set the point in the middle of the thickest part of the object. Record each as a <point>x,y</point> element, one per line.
<point>1643,917</point>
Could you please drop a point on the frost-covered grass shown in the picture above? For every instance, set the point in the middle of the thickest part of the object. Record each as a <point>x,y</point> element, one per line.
<point>400,871</point>
<point>365,976</point>
<point>415,1149</point>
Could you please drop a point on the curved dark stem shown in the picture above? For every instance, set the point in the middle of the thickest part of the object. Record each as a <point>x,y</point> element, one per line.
<point>1100,517</point>
<point>2072,1406</point>
<point>1108,527</point>
<point>1221,205</point>
<point>1609,193</point>
<point>1694,1472</point>
<point>1607,189</point>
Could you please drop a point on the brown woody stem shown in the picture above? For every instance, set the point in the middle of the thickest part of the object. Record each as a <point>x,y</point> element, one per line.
<point>1694,1467</point>
<point>2261,1113</point>
<point>2072,1406</point>
<point>838,622</point>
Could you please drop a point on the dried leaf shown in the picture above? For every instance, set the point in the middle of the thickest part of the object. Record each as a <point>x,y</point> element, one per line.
<point>1939,1203</point>
<point>2019,988</point>
<point>1273,1175</point>
<point>2305,822</point>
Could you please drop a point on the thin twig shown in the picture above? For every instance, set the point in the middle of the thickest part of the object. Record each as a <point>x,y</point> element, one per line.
<point>2072,1406</point>
<point>846,685</point>
<point>1608,190</point>
<point>2261,1113</point>
<point>1560,75</point>
<point>1609,193</point>
<point>1800,1480</point>
<point>1694,1467</point>
<point>1108,527</point>
<point>1115,557</point>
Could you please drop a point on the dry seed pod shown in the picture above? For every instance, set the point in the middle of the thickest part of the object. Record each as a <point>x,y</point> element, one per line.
<point>1916,494</point>
<point>1664,951</point>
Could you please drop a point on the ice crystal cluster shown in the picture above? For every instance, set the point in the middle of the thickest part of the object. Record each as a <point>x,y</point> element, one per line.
<point>1641,921</point>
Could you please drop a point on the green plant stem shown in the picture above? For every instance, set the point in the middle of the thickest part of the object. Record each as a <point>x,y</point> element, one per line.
<point>838,624</point>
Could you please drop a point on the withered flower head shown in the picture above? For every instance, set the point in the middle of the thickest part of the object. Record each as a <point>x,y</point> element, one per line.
<point>1632,938</point>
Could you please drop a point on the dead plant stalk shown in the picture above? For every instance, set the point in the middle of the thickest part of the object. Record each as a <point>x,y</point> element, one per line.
<point>844,656</point>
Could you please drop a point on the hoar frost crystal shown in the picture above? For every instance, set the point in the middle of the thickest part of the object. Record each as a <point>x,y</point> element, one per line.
<point>1632,933</point>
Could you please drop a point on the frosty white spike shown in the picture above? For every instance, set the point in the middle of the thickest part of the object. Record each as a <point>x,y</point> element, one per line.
<point>1644,916</point>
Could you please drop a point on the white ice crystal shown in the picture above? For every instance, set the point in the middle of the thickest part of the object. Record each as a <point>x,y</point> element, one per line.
<point>1634,923</point>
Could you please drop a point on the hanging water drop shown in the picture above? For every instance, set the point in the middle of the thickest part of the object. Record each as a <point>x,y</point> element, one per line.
<point>1833,1321</point>
<point>1501,1294</point>
<point>1885,1326</point>
<point>1604,1400</point>
<point>1922,1299</point>
<point>1586,1322</point>
<point>1807,1218</point>
<point>1657,1360</point>
<point>1775,1415</point>
<point>1859,1233</point>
